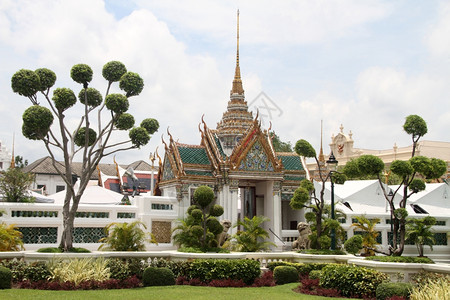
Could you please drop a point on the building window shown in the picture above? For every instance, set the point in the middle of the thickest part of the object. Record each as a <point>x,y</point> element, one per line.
<point>60,188</point>
<point>42,187</point>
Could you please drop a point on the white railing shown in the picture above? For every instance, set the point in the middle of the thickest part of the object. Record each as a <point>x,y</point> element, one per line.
<point>49,215</point>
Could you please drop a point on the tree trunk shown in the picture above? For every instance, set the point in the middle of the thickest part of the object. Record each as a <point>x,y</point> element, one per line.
<point>69,214</point>
<point>318,228</point>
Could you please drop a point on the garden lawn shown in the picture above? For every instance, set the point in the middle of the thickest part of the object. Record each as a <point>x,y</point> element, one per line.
<point>166,292</point>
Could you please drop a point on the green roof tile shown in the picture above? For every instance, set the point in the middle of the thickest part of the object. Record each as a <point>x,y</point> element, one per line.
<point>193,155</point>
<point>196,172</point>
<point>291,162</point>
<point>220,147</point>
<point>294,178</point>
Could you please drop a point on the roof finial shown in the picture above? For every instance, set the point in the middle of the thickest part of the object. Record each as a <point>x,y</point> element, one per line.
<point>321,157</point>
<point>237,82</point>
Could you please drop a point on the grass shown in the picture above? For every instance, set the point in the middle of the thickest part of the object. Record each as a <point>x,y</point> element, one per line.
<point>166,292</point>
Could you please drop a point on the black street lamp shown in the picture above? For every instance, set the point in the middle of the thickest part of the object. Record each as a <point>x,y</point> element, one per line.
<point>391,196</point>
<point>332,161</point>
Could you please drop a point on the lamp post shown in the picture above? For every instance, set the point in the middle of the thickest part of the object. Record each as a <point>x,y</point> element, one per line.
<point>391,196</point>
<point>332,161</point>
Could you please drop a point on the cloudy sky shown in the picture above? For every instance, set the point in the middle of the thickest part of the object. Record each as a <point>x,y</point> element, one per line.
<point>364,64</point>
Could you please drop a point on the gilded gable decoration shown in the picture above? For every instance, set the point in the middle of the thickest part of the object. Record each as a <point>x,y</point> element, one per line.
<point>256,160</point>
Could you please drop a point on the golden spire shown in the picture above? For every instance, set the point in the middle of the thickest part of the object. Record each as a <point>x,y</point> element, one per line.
<point>321,157</point>
<point>13,162</point>
<point>237,82</point>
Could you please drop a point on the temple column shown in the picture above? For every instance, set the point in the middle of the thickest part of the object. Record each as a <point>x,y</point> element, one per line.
<point>273,210</point>
<point>233,203</point>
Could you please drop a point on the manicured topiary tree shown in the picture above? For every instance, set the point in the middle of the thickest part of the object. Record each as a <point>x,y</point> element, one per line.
<point>200,227</point>
<point>412,173</point>
<point>306,193</point>
<point>354,244</point>
<point>83,140</point>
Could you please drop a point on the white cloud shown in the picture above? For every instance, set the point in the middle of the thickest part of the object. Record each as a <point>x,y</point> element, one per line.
<point>267,22</point>
<point>178,48</point>
<point>439,36</point>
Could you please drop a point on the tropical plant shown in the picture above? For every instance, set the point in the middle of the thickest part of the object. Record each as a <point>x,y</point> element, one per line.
<point>253,235</point>
<point>431,290</point>
<point>79,270</point>
<point>14,184</point>
<point>10,238</point>
<point>200,227</point>
<point>126,237</point>
<point>408,171</point>
<point>81,139</point>
<point>369,233</point>
<point>418,231</point>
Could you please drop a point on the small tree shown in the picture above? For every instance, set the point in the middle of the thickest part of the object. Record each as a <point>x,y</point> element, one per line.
<point>14,184</point>
<point>126,237</point>
<point>369,234</point>
<point>200,228</point>
<point>306,190</point>
<point>82,140</point>
<point>418,231</point>
<point>252,237</point>
<point>324,241</point>
<point>278,144</point>
<point>408,171</point>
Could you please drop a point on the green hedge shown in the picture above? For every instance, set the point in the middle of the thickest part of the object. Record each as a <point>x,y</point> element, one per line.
<point>352,280</point>
<point>402,259</point>
<point>302,268</point>
<point>285,274</point>
<point>5,278</point>
<point>158,277</point>
<point>210,269</point>
<point>389,289</point>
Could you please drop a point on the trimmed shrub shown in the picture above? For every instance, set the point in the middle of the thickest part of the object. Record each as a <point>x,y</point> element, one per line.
<point>315,274</point>
<point>209,269</point>
<point>158,277</point>
<point>5,278</point>
<point>37,271</point>
<point>118,268</point>
<point>352,281</point>
<point>354,244</point>
<point>17,267</point>
<point>285,274</point>
<point>388,289</point>
<point>179,268</point>
<point>303,269</point>
<point>322,251</point>
<point>402,259</point>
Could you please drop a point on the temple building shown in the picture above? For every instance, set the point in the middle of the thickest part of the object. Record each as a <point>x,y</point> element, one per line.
<point>342,146</point>
<point>237,160</point>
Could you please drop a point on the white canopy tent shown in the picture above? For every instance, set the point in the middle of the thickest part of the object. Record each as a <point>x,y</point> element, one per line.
<point>92,195</point>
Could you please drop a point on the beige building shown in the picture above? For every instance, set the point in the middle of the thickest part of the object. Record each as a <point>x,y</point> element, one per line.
<point>342,146</point>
